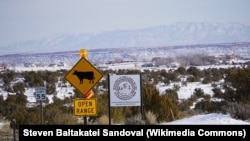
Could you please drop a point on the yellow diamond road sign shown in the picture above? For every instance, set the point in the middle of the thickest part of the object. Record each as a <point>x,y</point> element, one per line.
<point>83,76</point>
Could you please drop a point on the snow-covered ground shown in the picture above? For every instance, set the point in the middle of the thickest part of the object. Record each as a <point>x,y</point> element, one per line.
<point>209,119</point>
<point>206,119</point>
<point>183,93</point>
<point>1,125</point>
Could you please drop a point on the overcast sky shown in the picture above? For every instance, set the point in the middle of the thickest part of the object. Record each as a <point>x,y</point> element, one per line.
<point>36,19</point>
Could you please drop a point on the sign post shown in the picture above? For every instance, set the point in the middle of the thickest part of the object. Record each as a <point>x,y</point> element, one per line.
<point>40,93</point>
<point>125,90</point>
<point>84,76</point>
<point>40,96</point>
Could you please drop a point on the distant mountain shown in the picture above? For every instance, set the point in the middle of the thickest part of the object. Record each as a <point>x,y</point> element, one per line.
<point>158,36</point>
<point>125,54</point>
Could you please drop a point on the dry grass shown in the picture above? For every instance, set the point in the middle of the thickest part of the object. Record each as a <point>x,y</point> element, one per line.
<point>103,120</point>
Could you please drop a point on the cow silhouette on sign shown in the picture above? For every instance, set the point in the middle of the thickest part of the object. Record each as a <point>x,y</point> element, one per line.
<point>84,75</point>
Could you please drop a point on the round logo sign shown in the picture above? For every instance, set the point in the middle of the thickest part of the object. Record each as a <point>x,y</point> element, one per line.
<point>125,88</point>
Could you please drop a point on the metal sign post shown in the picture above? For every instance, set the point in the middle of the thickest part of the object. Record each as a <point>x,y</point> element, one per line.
<point>40,96</point>
<point>84,76</point>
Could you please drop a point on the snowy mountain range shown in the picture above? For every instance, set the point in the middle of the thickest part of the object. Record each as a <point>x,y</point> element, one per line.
<point>142,54</point>
<point>158,36</point>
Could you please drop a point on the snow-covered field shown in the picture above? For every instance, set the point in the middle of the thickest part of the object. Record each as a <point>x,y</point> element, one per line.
<point>209,119</point>
<point>183,93</point>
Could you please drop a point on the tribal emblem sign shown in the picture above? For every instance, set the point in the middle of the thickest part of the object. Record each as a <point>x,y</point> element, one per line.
<point>125,90</point>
